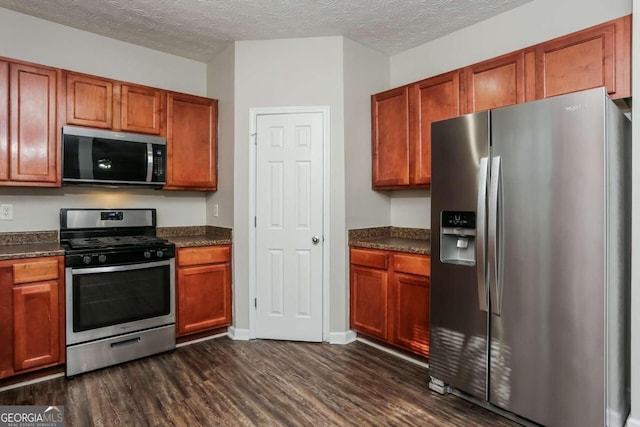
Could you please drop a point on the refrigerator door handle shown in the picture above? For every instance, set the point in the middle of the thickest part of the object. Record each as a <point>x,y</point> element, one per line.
<point>495,287</point>
<point>481,223</point>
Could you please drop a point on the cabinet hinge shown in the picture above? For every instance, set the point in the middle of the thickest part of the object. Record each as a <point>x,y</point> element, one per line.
<point>255,303</point>
<point>255,138</point>
<point>255,221</point>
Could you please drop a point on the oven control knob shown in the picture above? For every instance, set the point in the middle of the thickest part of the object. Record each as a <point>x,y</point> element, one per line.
<point>147,254</point>
<point>159,254</point>
<point>102,258</point>
<point>86,259</point>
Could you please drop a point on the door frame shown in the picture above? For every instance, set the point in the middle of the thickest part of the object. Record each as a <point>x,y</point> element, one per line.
<point>253,280</point>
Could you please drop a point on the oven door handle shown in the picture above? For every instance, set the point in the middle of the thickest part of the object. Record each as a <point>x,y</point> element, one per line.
<point>115,268</point>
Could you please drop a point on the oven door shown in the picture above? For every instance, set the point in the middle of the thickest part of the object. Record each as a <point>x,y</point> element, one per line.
<point>108,301</point>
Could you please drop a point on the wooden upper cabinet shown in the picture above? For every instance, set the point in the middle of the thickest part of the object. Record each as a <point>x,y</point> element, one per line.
<point>89,101</point>
<point>597,56</point>
<point>433,99</point>
<point>191,142</point>
<point>109,104</point>
<point>495,83</point>
<point>390,139</point>
<point>142,109</point>
<point>33,128</point>
<point>4,121</point>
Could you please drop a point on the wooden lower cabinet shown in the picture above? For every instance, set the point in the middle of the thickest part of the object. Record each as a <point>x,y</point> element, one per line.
<point>389,297</point>
<point>32,316</point>
<point>410,296</point>
<point>203,289</point>
<point>36,316</point>
<point>369,296</point>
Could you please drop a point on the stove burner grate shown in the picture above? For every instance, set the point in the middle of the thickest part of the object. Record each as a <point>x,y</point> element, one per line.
<point>103,242</point>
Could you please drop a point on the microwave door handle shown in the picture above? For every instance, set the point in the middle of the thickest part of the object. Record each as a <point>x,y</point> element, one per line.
<point>481,267</point>
<point>149,162</point>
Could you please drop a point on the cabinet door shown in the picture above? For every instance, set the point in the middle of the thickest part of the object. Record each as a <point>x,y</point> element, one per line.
<point>36,324</point>
<point>142,109</point>
<point>6,320</point>
<point>4,121</point>
<point>204,298</point>
<point>410,299</point>
<point>33,129</point>
<point>598,56</point>
<point>89,101</point>
<point>495,83</point>
<point>390,138</point>
<point>368,305</point>
<point>437,98</point>
<point>191,142</point>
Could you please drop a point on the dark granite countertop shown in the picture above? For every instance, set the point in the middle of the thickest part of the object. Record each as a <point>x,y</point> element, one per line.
<point>399,239</point>
<point>184,237</point>
<point>29,245</point>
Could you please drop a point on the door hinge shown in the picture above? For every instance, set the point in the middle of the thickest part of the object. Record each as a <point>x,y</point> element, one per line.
<point>255,221</point>
<point>255,138</point>
<point>255,303</point>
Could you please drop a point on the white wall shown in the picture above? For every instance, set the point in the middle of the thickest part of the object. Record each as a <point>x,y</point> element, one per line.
<point>220,84</point>
<point>411,208</point>
<point>512,30</point>
<point>36,209</point>
<point>35,40</point>
<point>365,72</point>
<point>31,39</point>
<point>289,72</point>
<point>635,230</point>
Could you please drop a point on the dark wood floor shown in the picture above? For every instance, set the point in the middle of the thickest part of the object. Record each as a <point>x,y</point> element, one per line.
<point>225,382</point>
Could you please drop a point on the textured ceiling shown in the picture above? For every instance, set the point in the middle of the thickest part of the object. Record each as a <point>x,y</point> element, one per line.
<point>199,29</point>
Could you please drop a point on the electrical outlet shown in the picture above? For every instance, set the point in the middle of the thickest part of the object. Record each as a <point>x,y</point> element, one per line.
<point>6,212</point>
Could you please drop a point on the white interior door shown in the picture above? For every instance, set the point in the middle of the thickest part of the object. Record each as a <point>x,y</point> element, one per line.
<point>289,209</point>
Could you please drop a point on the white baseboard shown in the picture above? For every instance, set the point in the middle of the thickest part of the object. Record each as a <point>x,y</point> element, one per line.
<point>633,422</point>
<point>342,337</point>
<point>394,353</point>
<point>238,334</point>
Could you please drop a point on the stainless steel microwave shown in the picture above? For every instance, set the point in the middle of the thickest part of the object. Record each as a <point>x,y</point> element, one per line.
<point>101,157</point>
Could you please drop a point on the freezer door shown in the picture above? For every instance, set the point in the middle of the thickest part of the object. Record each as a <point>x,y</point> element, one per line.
<point>458,318</point>
<point>547,354</point>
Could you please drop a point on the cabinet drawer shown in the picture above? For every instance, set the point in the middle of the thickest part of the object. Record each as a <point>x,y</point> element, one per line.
<point>35,271</point>
<point>369,258</point>
<point>203,255</point>
<point>412,264</point>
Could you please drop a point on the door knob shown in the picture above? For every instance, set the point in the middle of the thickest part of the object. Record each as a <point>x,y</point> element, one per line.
<point>315,240</point>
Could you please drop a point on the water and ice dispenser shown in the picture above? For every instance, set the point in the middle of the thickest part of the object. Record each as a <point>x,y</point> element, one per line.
<point>458,237</point>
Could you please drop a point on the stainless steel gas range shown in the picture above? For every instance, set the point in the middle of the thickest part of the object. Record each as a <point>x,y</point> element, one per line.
<point>120,287</point>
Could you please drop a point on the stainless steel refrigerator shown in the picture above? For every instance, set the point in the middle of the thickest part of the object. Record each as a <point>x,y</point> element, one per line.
<point>530,273</point>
